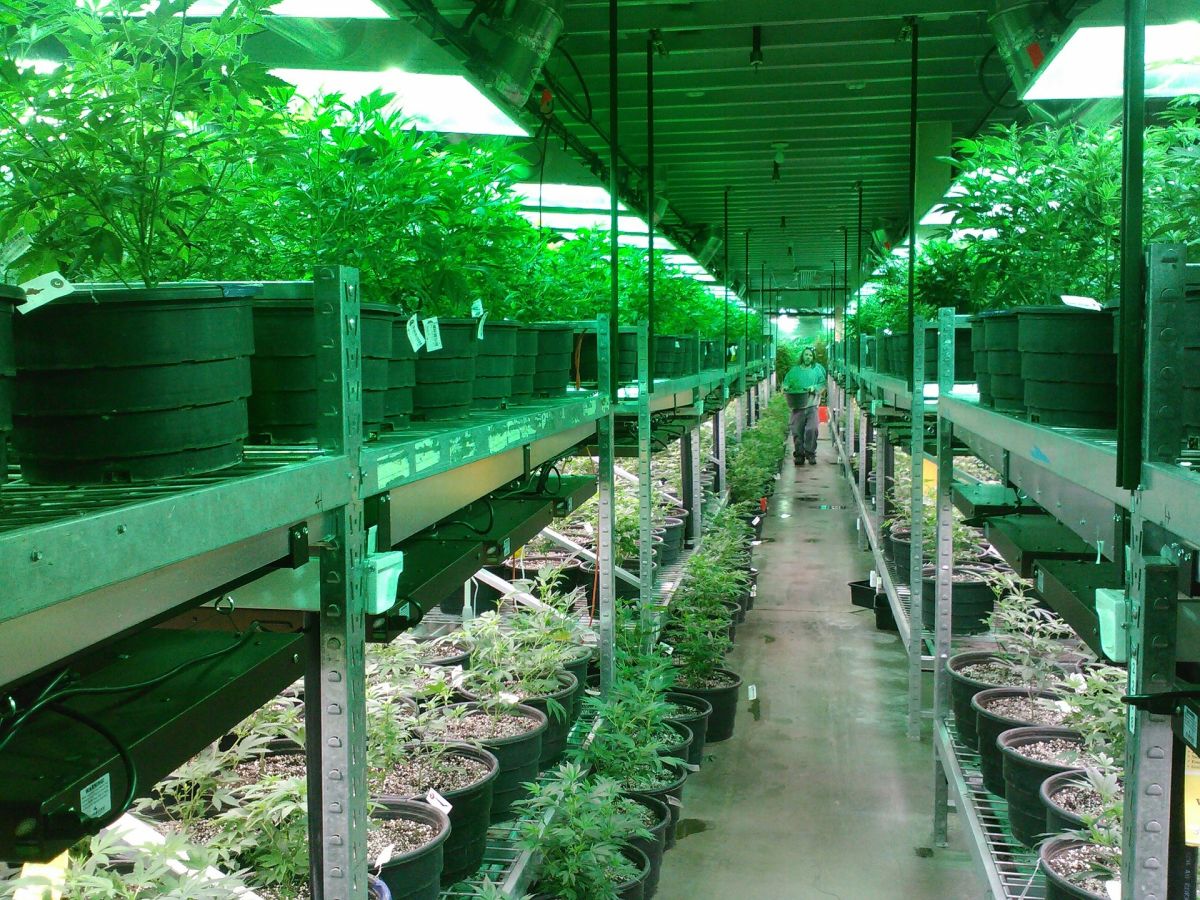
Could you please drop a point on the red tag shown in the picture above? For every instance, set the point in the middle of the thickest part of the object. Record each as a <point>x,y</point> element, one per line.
<point>762,504</point>
<point>1036,55</point>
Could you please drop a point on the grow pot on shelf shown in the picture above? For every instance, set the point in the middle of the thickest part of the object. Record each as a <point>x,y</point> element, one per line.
<point>723,697</point>
<point>1068,366</point>
<point>415,875</point>
<point>963,688</point>
<point>283,408</point>
<point>556,343</point>
<point>558,726</point>
<point>698,712</point>
<point>133,384</point>
<point>680,746</point>
<point>10,297</point>
<point>585,360</point>
<point>670,793</point>
<point>633,889</point>
<point>989,725</point>
<point>516,756</point>
<point>884,620</point>
<point>445,387</point>
<point>667,356</point>
<point>862,593</point>
<point>578,666</point>
<point>449,658</point>
<point>897,543</point>
<point>1023,778</point>
<point>402,377</point>
<point>979,354</point>
<point>495,364</point>
<point>1004,360</point>
<point>688,358</point>
<point>1058,817</point>
<point>654,846</point>
<point>469,816</point>
<point>971,599</point>
<point>710,355</point>
<point>1057,886</point>
<point>525,364</point>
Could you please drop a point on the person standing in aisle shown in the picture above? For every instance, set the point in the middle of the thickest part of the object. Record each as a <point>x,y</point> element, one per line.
<point>803,386</point>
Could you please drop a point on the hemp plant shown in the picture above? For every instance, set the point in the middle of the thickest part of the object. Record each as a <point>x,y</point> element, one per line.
<point>1028,636</point>
<point>1097,712</point>
<point>631,735</point>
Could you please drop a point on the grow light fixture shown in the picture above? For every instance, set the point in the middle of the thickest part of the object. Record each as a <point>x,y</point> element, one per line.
<point>298,9</point>
<point>1088,62</point>
<point>565,197</point>
<point>445,103</point>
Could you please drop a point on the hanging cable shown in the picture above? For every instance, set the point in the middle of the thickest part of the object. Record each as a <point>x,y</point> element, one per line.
<point>131,777</point>
<point>585,117</point>
<point>983,86</point>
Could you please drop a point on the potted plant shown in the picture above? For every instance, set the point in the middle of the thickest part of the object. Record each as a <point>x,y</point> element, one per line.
<point>655,815</point>
<point>700,654</point>
<point>1080,864</point>
<point>142,128</point>
<point>1072,799</point>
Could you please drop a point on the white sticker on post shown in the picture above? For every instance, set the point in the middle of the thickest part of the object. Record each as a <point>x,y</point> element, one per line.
<point>433,334</point>
<point>753,691</point>
<point>43,289</point>
<point>437,801</point>
<point>414,334</point>
<point>95,800</point>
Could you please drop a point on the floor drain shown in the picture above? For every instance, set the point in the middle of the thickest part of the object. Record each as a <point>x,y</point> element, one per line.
<point>808,498</point>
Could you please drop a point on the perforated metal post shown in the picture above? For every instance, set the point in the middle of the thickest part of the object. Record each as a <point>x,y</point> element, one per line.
<point>335,688</point>
<point>945,568</point>
<point>645,498</point>
<point>605,493</point>
<point>719,444</point>
<point>862,469</point>
<point>916,556</point>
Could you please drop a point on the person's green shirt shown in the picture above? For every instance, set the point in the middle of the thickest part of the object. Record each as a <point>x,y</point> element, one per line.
<point>806,382</point>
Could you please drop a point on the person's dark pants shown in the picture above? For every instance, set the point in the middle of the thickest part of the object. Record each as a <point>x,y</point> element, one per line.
<point>804,433</point>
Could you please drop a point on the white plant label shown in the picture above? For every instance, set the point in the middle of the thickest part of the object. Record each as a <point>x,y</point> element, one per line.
<point>1114,889</point>
<point>667,649</point>
<point>588,529</point>
<point>479,333</point>
<point>43,289</point>
<point>14,249</point>
<point>95,800</point>
<point>1082,302</point>
<point>509,698</point>
<point>433,334</point>
<point>674,801</point>
<point>414,334</point>
<point>753,691</point>
<point>437,801</point>
<point>476,309</point>
<point>385,856</point>
<point>691,767</point>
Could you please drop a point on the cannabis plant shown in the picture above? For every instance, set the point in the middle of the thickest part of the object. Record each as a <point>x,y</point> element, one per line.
<point>1029,637</point>
<point>1098,713</point>
<point>631,735</point>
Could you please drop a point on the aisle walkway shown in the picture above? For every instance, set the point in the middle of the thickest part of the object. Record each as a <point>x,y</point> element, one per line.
<point>819,794</point>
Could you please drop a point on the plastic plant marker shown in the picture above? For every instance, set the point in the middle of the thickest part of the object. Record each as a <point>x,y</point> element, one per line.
<point>43,289</point>
<point>415,338</point>
<point>437,801</point>
<point>433,334</point>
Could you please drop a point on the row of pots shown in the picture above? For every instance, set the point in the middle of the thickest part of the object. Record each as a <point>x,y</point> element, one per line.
<point>892,354</point>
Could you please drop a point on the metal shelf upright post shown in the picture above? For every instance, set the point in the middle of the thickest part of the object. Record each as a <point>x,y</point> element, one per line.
<point>645,489</point>
<point>606,499</point>
<point>916,555</point>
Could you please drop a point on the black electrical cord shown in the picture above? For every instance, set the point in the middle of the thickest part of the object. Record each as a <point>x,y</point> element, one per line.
<point>587,95</point>
<point>987,93</point>
<point>465,524</point>
<point>131,778</point>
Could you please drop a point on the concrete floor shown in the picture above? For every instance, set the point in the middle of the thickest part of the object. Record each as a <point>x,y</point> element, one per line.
<point>819,794</point>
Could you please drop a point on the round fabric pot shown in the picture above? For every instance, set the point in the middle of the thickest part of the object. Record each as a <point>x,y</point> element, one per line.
<point>445,386</point>
<point>672,795</point>
<point>723,701</point>
<point>10,297</point>
<point>989,726</point>
<point>517,758</point>
<point>470,816</point>
<point>1023,779</point>
<point>1004,361</point>
<point>1069,367</point>
<point>558,727</point>
<point>962,689</point>
<point>970,603</point>
<point>402,377</point>
<point>495,365</point>
<point>133,384</point>
<point>1057,887</point>
<point>654,846</point>
<point>556,345</point>
<point>415,875</point>
<point>696,719</point>
<point>283,408</point>
<point>525,364</point>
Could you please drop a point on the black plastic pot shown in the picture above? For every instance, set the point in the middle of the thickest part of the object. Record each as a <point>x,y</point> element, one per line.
<point>495,365</point>
<point>863,594</point>
<point>556,345</point>
<point>970,603</point>
<point>983,376</point>
<point>687,360</point>
<point>654,846</point>
<point>554,738</point>
<point>672,795</point>
<point>1058,819</point>
<point>131,384</point>
<point>724,702</point>
<point>445,387</point>
<point>668,355</point>
<point>1057,887</point>
<point>517,758</point>
<point>1023,779</point>
<point>525,364</point>
<point>10,297</point>
<point>884,620</point>
<point>470,816</point>
<point>579,668</point>
<point>989,726</point>
<point>283,408</point>
<point>402,377</point>
<point>1069,367</point>
<point>681,746</point>
<point>710,355</point>
<point>696,720</point>
<point>631,890</point>
<point>415,875</point>
<point>1004,361</point>
<point>962,689</point>
<point>584,361</point>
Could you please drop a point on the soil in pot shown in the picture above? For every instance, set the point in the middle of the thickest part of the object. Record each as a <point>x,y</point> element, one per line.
<point>10,297</point>
<point>669,790</point>
<point>402,377</point>
<point>971,600</point>
<point>445,387</point>
<point>283,408</point>
<point>126,384</point>
<point>1065,861</point>
<point>419,836</point>
<point>1031,755</point>
<point>558,726</point>
<point>466,777</point>
<point>657,819</point>
<point>996,711</point>
<point>694,712</point>
<point>677,740</point>
<point>525,364</point>
<point>1068,798</point>
<point>495,365</point>
<point>556,344</point>
<point>1068,366</point>
<point>970,673</point>
<point>721,692</point>
<point>630,890</point>
<point>511,734</point>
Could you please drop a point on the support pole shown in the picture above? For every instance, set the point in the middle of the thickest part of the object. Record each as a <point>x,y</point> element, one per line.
<point>914,27</point>
<point>645,500</point>
<point>605,496</point>
<point>651,199</point>
<point>943,610</point>
<point>916,557</point>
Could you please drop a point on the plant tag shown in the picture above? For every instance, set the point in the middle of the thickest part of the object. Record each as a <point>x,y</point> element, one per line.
<point>691,767</point>
<point>414,334</point>
<point>1082,302</point>
<point>95,800</point>
<point>753,691</point>
<point>43,289</point>
<point>1114,889</point>
<point>385,856</point>
<point>479,333</point>
<point>874,578</point>
<point>476,309</point>
<point>667,649</point>
<point>14,248</point>
<point>1189,726</point>
<point>437,801</point>
<point>673,801</point>
<point>510,698</point>
<point>588,529</point>
<point>433,334</point>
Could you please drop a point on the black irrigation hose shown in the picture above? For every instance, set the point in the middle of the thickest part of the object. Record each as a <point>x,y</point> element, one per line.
<point>987,93</point>
<point>131,777</point>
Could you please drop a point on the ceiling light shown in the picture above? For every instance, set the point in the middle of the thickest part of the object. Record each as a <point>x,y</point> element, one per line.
<point>1088,62</point>
<point>565,196</point>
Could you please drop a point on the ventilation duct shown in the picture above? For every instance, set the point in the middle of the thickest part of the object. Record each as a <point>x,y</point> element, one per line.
<point>523,35</point>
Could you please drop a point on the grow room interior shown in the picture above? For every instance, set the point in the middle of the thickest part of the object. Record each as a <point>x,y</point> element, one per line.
<point>414,483</point>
